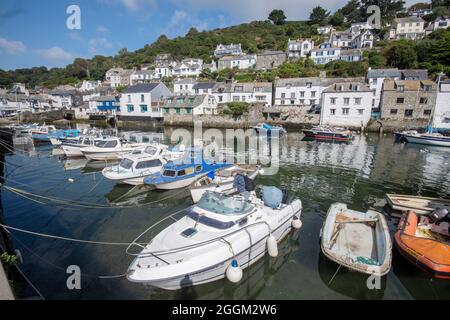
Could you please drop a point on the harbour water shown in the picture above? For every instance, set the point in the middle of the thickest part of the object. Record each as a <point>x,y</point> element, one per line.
<point>92,208</point>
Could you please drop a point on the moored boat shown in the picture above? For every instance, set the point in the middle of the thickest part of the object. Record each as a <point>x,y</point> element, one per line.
<point>264,128</point>
<point>357,240</point>
<point>217,238</point>
<point>72,148</point>
<point>332,134</point>
<point>182,172</point>
<point>223,180</point>
<point>433,139</point>
<point>136,166</point>
<point>420,205</point>
<point>110,149</point>
<point>424,243</point>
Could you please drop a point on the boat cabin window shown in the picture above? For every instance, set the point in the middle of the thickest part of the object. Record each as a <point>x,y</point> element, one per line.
<point>222,204</point>
<point>181,173</point>
<point>198,168</point>
<point>126,163</point>
<point>107,144</point>
<point>87,141</point>
<point>149,164</point>
<point>151,150</point>
<point>169,173</point>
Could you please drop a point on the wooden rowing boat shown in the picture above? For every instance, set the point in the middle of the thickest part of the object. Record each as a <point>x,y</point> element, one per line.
<point>357,240</point>
<point>420,205</point>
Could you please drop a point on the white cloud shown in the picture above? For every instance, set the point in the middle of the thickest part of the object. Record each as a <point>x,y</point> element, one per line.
<point>181,22</point>
<point>102,29</point>
<point>55,55</point>
<point>99,45</point>
<point>12,46</point>
<point>136,5</point>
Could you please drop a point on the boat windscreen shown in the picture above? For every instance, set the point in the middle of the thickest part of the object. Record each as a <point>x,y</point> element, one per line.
<point>149,164</point>
<point>126,163</point>
<point>222,204</point>
<point>151,150</point>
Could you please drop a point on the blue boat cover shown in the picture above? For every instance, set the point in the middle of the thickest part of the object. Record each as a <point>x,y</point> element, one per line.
<point>272,197</point>
<point>267,126</point>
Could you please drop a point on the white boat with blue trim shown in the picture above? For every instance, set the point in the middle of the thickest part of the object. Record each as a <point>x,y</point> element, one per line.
<point>433,139</point>
<point>218,238</point>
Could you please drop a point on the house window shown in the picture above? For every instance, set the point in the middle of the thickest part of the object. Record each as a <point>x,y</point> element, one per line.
<point>188,110</point>
<point>394,111</point>
<point>130,108</point>
<point>423,100</point>
<point>129,98</point>
<point>345,111</point>
<point>283,95</point>
<point>302,101</point>
<point>357,100</point>
<point>292,101</point>
<point>408,112</point>
<point>332,112</point>
<point>282,101</point>
<point>177,110</point>
<point>312,102</point>
<point>427,112</point>
<point>293,95</point>
<point>346,101</point>
<point>427,88</point>
<point>360,112</point>
<point>238,89</point>
<point>220,98</point>
<point>401,88</point>
<point>333,100</point>
<point>302,94</point>
<point>309,84</point>
<point>243,98</point>
<point>313,94</point>
<point>144,108</point>
<point>235,98</point>
<point>400,100</point>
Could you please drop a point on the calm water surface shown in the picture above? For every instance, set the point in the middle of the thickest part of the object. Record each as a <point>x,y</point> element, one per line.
<point>319,173</point>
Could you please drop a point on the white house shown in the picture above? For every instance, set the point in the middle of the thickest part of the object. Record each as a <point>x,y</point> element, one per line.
<point>89,85</point>
<point>143,101</point>
<point>407,28</point>
<point>190,105</point>
<point>251,92</point>
<point>341,39</point>
<point>141,76</point>
<point>325,53</point>
<point>363,40</point>
<point>119,77</point>
<point>12,103</point>
<point>227,50</point>
<point>375,79</point>
<point>441,116</point>
<point>350,55</point>
<point>300,48</point>
<point>163,70</point>
<point>325,30</point>
<point>184,87</point>
<point>240,62</point>
<point>188,68</point>
<point>203,88</point>
<point>347,104</point>
<point>439,23</point>
<point>62,98</point>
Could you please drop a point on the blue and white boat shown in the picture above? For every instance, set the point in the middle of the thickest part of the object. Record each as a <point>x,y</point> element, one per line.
<point>433,139</point>
<point>182,172</point>
<point>269,130</point>
<point>55,134</point>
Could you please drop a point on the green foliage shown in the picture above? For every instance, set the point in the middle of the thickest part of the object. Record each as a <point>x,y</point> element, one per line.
<point>121,88</point>
<point>376,60</point>
<point>8,259</point>
<point>401,54</point>
<point>236,108</point>
<point>351,11</point>
<point>339,68</point>
<point>319,16</point>
<point>337,19</point>
<point>277,17</point>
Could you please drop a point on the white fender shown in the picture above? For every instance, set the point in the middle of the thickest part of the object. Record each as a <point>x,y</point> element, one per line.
<point>234,272</point>
<point>272,246</point>
<point>296,223</point>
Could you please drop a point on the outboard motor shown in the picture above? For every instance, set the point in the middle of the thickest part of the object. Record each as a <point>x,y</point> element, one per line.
<point>440,215</point>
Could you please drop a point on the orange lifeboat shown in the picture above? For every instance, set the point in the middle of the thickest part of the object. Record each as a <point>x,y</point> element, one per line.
<point>425,244</point>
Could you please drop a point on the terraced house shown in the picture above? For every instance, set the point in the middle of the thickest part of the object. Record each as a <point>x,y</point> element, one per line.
<point>407,100</point>
<point>251,92</point>
<point>143,101</point>
<point>190,105</point>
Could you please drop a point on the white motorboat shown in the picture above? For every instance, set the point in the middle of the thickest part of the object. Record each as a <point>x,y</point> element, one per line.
<point>72,148</point>
<point>137,165</point>
<point>217,238</point>
<point>433,139</point>
<point>110,149</point>
<point>223,180</point>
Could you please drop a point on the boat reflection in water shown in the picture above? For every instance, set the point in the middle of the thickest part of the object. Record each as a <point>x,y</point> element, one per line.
<point>348,283</point>
<point>255,279</point>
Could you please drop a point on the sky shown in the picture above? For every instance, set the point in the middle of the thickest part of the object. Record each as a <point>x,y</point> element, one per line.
<point>35,33</point>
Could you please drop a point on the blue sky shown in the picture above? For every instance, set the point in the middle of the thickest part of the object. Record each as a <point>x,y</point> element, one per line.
<point>34,32</point>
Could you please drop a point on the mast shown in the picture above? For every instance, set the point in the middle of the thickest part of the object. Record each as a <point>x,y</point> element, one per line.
<point>433,110</point>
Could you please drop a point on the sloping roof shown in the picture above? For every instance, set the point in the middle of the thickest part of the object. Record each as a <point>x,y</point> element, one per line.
<point>348,87</point>
<point>204,85</point>
<point>190,101</point>
<point>419,74</point>
<point>409,85</point>
<point>142,87</point>
<point>271,53</point>
<point>243,57</point>
<point>246,87</point>
<point>383,73</point>
<point>185,81</point>
<point>409,19</point>
<point>315,81</point>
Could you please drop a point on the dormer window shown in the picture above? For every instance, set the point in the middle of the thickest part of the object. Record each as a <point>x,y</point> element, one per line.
<point>400,88</point>
<point>238,89</point>
<point>309,84</point>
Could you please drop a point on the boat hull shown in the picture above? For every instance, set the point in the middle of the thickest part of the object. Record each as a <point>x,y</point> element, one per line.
<point>326,136</point>
<point>420,205</point>
<point>441,142</point>
<point>217,271</point>
<point>178,183</point>
<point>72,151</point>
<point>130,180</point>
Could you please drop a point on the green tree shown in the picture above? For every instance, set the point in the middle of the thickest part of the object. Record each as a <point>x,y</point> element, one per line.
<point>337,19</point>
<point>376,60</point>
<point>351,11</point>
<point>236,108</point>
<point>319,16</point>
<point>401,54</point>
<point>277,17</point>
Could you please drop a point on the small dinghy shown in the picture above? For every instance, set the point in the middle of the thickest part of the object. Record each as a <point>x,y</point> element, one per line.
<point>425,241</point>
<point>420,205</point>
<point>357,240</point>
<point>222,181</point>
